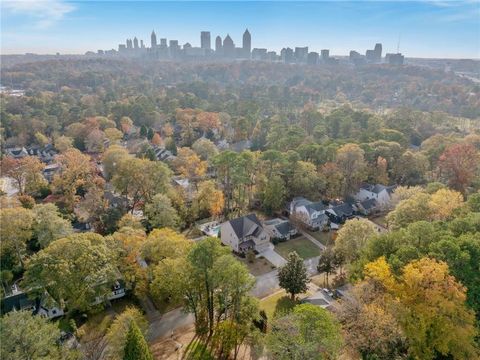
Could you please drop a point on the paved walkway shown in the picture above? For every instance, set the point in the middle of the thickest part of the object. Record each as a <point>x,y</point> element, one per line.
<point>272,256</point>
<point>313,240</point>
<point>168,323</point>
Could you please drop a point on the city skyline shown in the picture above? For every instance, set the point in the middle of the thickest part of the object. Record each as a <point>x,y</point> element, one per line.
<point>424,28</point>
<point>226,49</point>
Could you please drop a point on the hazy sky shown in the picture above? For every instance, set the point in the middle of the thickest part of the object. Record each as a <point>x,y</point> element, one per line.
<point>425,28</point>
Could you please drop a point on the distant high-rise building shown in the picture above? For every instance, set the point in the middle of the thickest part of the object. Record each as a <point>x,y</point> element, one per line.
<point>135,43</point>
<point>174,48</point>
<point>129,44</point>
<point>287,55</point>
<point>121,47</point>
<point>205,42</point>
<point>312,58</point>
<point>218,45</point>
<point>153,39</point>
<point>301,54</point>
<point>259,54</point>
<point>325,54</point>
<point>163,42</point>
<point>395,59</point>
<point>375,55</point>
<point>247,43</point>
<point>142,45</point>
<point>378,52</point>
<point>228,47</point>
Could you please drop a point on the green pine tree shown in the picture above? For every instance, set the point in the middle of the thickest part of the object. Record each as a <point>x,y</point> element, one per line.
<point>143,131</point>
<point>293,276</point>
<point>136,348</point>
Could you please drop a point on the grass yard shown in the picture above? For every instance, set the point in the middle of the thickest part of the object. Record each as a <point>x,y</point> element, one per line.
<point>276,304</point>
<point>379,220</point>
<point>325,237</point>
<point>258,267</point>
<point>304,248</point>
<point>280,303</point>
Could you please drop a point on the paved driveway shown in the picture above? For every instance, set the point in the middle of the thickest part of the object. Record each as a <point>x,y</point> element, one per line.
<point>267,283</point>
<point>273,257</point>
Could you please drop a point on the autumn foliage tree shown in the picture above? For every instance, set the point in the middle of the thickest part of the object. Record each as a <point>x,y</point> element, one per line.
<point>459,164</point>
<point>77,172</point>
<point>429,305</point>
<point>25,172</point>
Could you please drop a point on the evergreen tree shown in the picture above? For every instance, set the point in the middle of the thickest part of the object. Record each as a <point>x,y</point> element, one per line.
<point>143,131</point>
<point>293,276</point>
<point>150,134</point>
<point>136,348</point>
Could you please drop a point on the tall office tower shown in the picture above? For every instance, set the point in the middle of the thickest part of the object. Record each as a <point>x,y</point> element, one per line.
<point>325,54</point>
<point>153,39</point>
<point>228,47</point>
<point>135,42</point>
<point>174,48</point>
<point>142,45</point>
<point>378,52</point>
<point>301,54</point>
<point>218,45</point>
<point>247,43</point>
<point>312,58</point>
<point>287,55</point>
<point>205,40</point>
<point>129,44</point>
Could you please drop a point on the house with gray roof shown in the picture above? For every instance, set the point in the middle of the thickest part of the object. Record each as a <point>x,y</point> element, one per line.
<point>244,233</point>
<point>339,213</point>
<point>280,229</point>
<point>381,193</point>
<point>311,214</point>
<point>367,207</point>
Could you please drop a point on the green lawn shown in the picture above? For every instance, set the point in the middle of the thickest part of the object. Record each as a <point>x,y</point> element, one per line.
<point>304,247</point>
<point>325,237</point>
<point>276,304</point>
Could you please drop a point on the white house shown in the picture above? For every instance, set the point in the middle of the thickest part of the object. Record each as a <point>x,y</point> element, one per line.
<point>312,214</point>
<point>245,233</point>
<point>17,300</point>
<point>279,229</point>
<point>380,193</point>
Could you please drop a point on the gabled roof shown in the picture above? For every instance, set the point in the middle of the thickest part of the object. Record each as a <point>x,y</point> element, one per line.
<point>368,204</point>
<point>316,206</point>
<point>310,206</point>
<point>378,188</point>
<point>246,225</point>
<point>344,209</point>
<point>284,227</point>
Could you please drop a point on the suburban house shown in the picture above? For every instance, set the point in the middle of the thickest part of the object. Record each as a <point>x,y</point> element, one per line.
<point>50,170</point>
<point>367,207</point>
<point>46,153</point>
<point>16,152</point>
<point>17,300</point>
<point>163,154</point>
<point>279,229</point>
<point>118,291</point>
<point>311,214</point>
<point>381,193</point>
<point>340,212</point>
<point>244,233</point>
